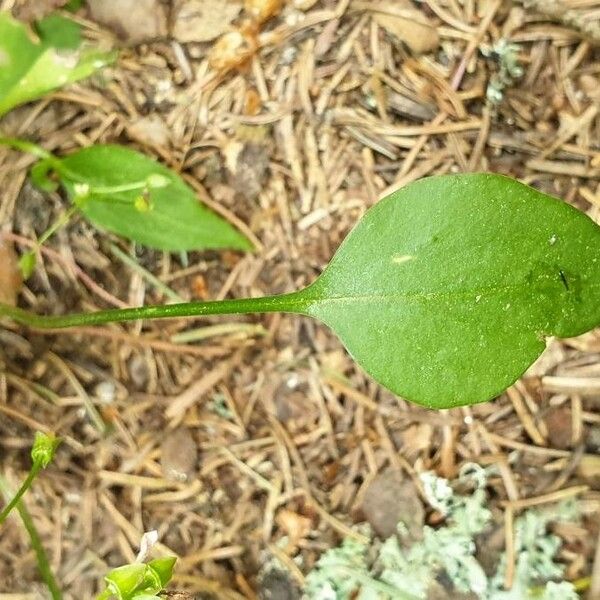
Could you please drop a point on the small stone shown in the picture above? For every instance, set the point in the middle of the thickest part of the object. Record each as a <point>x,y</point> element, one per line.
<point>179,455</point>
<point>132,21</point>
<point>278,585</point>
<point>391,499</point>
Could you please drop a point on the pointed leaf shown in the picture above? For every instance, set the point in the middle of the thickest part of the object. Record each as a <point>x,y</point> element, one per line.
<point>446,290</point>
<point>29,69</point>
<point>163,568</point>
<point>159,210</point>
<point>124,581</point>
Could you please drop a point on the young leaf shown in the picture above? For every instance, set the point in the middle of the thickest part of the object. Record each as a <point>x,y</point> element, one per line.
<point>446,289</point>
<point>138,198</point>
<point>57,31</point>
<point>28,70</point>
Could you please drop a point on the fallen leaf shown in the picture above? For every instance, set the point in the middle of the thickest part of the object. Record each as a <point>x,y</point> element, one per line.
<point>262,10</point>
<point>132,21</point>
<point>295,526</point>
<point>203,20</point>
<point>10,274</point>
<point>230,51</point>
<point>406,23</point>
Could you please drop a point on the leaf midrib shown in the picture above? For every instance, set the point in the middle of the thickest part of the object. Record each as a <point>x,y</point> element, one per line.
<point>416,296</point>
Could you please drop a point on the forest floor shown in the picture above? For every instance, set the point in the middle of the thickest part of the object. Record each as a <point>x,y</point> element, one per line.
<point>324,108</point>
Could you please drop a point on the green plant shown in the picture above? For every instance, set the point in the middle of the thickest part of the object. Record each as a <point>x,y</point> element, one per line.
<point>127,193</point>
<point>139,581</point>
<point>29,69</point>
<point>42,453</point>
<point>444,292</point>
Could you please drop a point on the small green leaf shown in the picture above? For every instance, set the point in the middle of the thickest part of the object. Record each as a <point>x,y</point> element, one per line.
<point>163,567</point>
<point>446,290</point>
<point>169,217</point>
<point>28,70</point>
<point>40,176</point>
<point>73,5</point>
<point>44,448</point>
<point>27,264</point>
<point>124,581</point>
<point>63,34</point>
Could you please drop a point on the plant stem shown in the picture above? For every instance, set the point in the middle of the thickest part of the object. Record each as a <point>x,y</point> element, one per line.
<point>36,543</point>
<point>62,220</point>
<point>295,302</point>
<point>26,146</point>
<point>35,469</point>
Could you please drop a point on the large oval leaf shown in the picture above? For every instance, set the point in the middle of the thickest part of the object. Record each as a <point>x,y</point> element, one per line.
<point>170,217</point>
<point>446,290</point>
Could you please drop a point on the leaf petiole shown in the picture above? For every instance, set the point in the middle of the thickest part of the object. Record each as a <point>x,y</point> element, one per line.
<point>295,302</point>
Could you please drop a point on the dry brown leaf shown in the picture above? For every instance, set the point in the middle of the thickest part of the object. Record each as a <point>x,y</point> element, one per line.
<point>295,526</point>
<point>203,20</point>
<point>230,51</point>
<point>262,10</point>
<point>10,274</point>
<point>404,22</point>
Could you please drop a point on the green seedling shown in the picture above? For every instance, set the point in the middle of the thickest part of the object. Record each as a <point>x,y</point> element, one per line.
<point>29,69</point>
<point>139,581</point>
<point>445,291</point>
<point>42,454</point>
<point>127,193</point>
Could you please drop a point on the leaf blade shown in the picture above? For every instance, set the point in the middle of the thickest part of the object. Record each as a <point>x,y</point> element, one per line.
<point>29,70</point>
<point>175,221</point>
<point>447,315</point>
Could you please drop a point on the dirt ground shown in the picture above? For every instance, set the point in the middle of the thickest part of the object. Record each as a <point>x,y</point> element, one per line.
<point>263,428</point>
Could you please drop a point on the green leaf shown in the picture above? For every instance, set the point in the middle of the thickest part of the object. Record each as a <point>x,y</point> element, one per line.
<point>27,264</point>
<point>163,568</point>
<point>63,34</point>
<point>124,581</point>
<point>446,290</point>
<point>136,197</point>
<point>28,70</point>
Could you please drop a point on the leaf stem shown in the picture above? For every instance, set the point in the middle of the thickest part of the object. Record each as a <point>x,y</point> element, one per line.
<point>36,543</point>
<point>35,469</point>
<point>29,147</point>
<point>296,302</point>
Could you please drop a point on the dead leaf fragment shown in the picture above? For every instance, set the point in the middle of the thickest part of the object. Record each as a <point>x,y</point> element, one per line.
<point>295,526</point>
<point>406,23</point>
<point>203,20</point>
<point>10,274</point>
<point>132,21</point>
<point>230,51</point>
<point>262,10</point>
